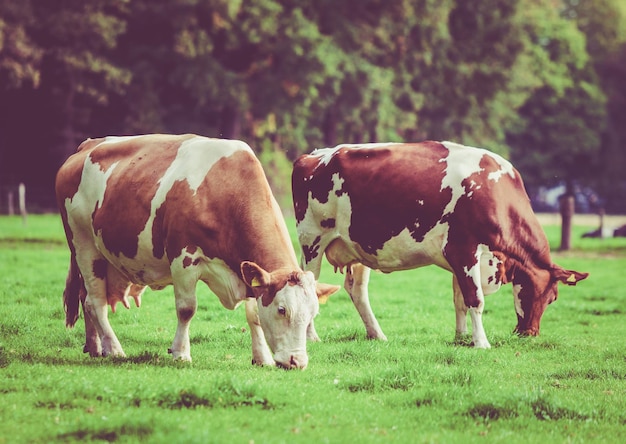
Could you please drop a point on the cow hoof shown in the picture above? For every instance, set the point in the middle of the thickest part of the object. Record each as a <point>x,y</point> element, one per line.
<point>114,354</point>
<point>315,338</point>
<point>377,337</point>
<point>481,344</point>
<point>179,356</point>
<point>263,363</point>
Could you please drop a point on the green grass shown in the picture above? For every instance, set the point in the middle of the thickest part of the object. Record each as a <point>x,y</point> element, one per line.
<point>568,385</point>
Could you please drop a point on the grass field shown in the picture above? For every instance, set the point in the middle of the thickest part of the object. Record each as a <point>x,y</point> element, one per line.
<point>568,385</point>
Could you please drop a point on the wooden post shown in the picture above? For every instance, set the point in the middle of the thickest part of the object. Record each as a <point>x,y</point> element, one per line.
<point>10,203</point>
<point>566,206</point>
<point>21,189</point>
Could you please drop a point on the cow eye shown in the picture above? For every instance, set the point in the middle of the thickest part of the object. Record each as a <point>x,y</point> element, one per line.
<point>282,311</point>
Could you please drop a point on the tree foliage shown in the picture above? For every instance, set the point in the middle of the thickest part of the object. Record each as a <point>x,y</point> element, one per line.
<point>539,80</point>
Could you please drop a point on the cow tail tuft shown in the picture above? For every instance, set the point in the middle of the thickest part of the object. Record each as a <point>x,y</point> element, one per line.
<point>74,285</point>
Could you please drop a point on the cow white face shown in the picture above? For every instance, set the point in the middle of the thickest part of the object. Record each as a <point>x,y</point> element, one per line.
<point>286,318</point>
<point>287,303</point>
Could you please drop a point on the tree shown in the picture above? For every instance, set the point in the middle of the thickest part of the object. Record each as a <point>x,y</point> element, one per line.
<point>558,134</point>
<point>604,24</point>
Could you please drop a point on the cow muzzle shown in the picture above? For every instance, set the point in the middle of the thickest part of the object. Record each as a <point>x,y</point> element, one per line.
<point>292,361</point>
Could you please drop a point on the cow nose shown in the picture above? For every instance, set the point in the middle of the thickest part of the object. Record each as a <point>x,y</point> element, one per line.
<point>294,362</point>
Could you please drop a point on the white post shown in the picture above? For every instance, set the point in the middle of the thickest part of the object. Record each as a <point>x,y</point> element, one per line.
<point>22,201</point>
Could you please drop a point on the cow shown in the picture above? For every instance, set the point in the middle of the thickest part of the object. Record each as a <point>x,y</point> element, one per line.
<point>155,210</point>
<point>398,206</point>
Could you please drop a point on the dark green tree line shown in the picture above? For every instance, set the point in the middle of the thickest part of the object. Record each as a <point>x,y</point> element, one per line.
<point>537,80</point>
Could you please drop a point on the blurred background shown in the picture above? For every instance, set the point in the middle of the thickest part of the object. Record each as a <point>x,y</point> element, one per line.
<point>542,82</point>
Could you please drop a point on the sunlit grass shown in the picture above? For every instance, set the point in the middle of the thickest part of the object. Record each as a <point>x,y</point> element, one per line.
<point>567,385</point>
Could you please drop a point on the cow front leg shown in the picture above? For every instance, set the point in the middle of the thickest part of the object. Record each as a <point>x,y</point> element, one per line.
<point>357,278</point>
<point>478,332</point>
<point>261,354</point>
<point>461,311</point>
<point>186,305</point>
<point>468,283</point>
<point>311,333</point>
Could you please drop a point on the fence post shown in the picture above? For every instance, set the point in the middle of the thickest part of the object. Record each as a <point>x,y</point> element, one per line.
<point>10,203</point>
<point>22,201</point>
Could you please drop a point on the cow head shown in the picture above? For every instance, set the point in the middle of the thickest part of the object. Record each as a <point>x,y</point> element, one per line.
<point>287,303</point>
<point>534,292</point>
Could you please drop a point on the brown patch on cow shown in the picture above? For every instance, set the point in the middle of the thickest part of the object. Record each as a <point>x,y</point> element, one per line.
<point>132,185</point>
<point>294,278</point>
<point>229,217</point>
<point>185,314</point>
<point>279,280</point>
<point>100,268</point>
<point>376,215</point>
<point>328,223</point>
<point>311,251</point>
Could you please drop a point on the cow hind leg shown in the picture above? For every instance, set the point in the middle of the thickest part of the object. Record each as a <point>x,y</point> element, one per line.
<point>93,345</point>
<point>357,278</point>
<point>97,324</point>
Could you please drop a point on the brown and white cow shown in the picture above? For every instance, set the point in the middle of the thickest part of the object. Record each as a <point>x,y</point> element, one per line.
<point>402,206</point>
<point>156,210</point>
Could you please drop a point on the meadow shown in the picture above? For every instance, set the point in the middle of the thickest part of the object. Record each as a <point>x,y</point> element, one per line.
<point>566,386</point>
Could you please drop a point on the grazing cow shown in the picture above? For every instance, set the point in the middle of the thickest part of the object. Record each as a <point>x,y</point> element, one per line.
<point>156,210</point>
<point>401,206</point>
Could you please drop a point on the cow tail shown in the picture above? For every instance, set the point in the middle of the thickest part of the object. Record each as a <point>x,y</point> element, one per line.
<point>74,286</point>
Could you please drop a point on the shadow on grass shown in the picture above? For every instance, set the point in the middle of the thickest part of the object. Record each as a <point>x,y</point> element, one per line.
<point>540,406</point>
<point>146,357</point>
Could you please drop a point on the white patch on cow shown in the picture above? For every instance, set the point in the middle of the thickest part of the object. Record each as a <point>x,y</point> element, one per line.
<point>484,271</point>
<point>222,281</point>
<point>309,227</point>
<point>326,154</point>
<point>461,164</point>
<point>403,252</point>
<point>517,288</point>
<point>90,194</point>
<point>193,161</point>
<point>464,161</point>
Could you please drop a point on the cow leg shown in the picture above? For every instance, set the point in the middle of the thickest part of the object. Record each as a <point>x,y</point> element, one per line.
<point>186,305</point>
<point>261,354</point>
<point>96,314</point>
<point>93,346</point>
<point>357,278</point>
<point>473,298</point>
<point>460,309</point>
<point>478,332</point>
<point>311,333</point>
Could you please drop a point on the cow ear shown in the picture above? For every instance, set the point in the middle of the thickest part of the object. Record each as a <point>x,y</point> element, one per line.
<point>254,276</point>
<point>324,291</point>
<point>568,277</point>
